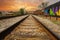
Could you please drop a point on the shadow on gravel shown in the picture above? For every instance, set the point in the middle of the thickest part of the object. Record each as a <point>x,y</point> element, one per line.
<point>8,31</point>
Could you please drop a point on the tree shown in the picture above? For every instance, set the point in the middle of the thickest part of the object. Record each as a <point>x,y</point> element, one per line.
<point>43,5</point>
<point>0,13</point>
<point>22,11</point>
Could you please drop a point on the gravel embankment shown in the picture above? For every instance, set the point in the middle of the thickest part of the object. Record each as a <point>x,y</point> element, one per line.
<point>6,23</point>
<point>54,28</point>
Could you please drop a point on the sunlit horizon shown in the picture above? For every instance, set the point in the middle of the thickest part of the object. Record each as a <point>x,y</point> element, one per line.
<point>15,5</point>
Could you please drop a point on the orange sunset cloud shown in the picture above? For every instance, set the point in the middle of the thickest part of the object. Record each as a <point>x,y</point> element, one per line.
<point>14,5</point>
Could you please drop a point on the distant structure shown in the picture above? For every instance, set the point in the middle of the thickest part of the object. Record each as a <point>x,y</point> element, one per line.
<point>53,10</point>
<point>5,13</point>
<point>38,12</point>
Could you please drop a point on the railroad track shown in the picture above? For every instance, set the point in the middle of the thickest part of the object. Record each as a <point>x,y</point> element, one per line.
<point>30,29</point>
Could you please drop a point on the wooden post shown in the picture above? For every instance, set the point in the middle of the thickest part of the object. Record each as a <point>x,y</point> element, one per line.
<point>50,17</point>
<point>56,18</point>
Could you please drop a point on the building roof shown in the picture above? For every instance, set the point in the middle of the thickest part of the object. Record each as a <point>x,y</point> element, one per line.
<point>53,5</point>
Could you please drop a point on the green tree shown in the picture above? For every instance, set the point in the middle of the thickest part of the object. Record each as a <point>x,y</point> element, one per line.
<point>22,11</point>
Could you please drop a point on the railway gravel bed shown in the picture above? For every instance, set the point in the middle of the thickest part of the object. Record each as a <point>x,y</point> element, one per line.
<point>30,29</point>
<point>53,28</point>
<point>6,23</point>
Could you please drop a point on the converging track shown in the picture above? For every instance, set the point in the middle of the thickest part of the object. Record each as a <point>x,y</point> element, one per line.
<point>30,29</point>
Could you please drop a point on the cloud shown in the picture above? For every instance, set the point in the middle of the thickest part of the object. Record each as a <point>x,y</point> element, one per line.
<point>17,4</point>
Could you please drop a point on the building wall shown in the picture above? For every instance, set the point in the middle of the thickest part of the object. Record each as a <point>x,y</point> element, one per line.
<point>53,10</point>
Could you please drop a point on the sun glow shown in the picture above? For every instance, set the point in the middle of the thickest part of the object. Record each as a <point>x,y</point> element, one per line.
<point>14,5</point>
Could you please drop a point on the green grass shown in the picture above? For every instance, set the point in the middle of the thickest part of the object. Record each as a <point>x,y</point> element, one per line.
<point>56,22</point>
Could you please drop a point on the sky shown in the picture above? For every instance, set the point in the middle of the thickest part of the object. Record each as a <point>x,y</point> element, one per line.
<point>14,5</point>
